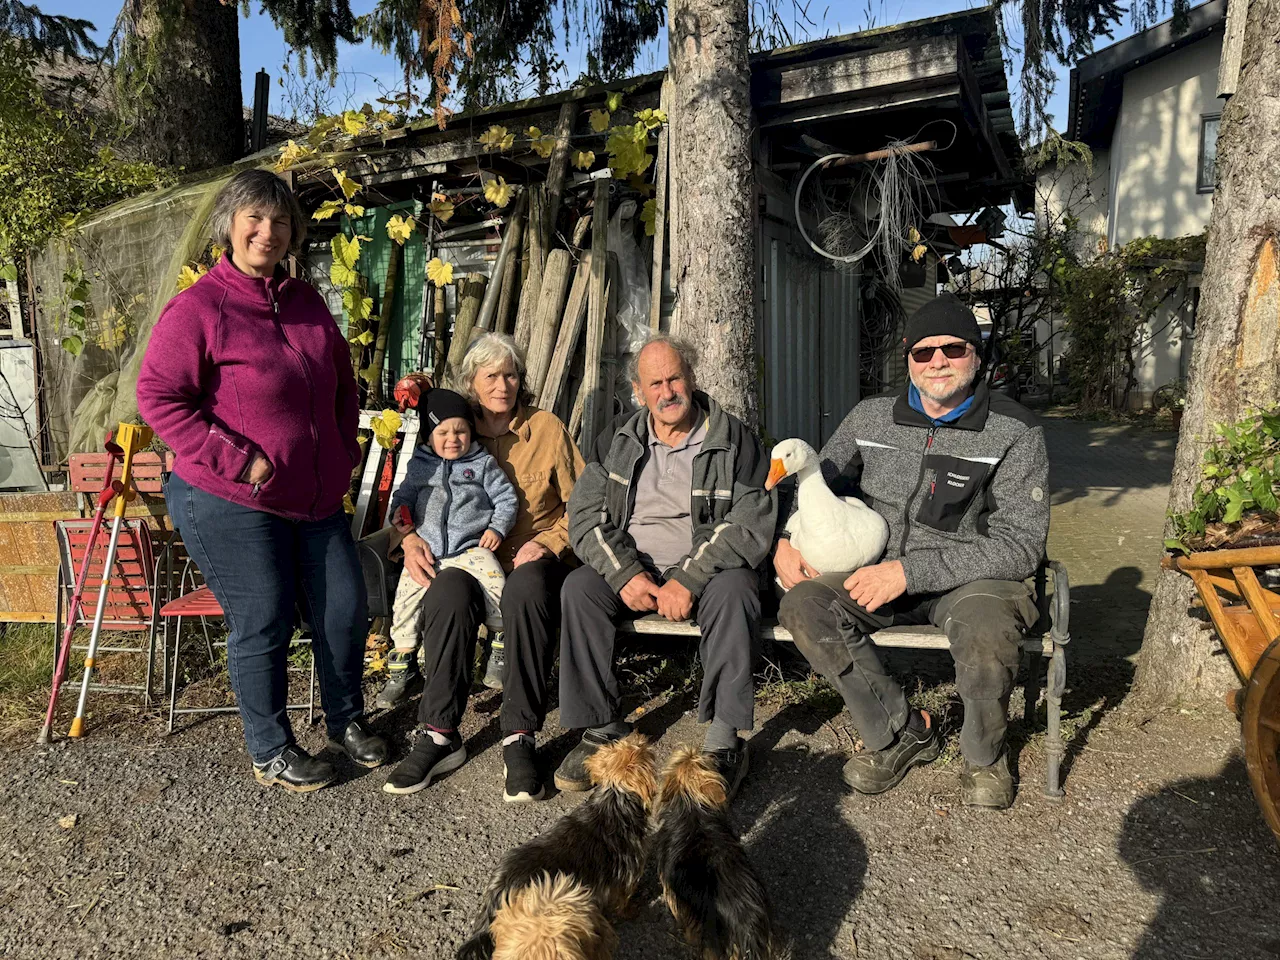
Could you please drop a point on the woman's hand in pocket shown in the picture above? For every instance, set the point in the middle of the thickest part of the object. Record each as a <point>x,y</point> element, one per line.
<point>260,470</point>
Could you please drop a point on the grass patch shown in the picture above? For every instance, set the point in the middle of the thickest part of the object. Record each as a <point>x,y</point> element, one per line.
<point>26,665</point>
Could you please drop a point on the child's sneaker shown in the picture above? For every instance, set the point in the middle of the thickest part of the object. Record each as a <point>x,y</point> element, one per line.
<point>497,666</point>
<point>427,761</point>
<point>405,680</point>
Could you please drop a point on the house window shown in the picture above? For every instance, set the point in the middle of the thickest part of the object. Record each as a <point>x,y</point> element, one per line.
<point>1207,174</point>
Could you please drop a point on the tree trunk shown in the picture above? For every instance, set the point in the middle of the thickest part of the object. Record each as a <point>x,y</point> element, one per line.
<point>713,229</point>
<point>180,80</point>
<point>1236,363</point>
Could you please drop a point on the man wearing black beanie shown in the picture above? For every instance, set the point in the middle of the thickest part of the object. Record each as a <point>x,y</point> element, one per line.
<point>960,474</point>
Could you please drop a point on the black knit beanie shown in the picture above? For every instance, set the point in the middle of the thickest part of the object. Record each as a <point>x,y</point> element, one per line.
<point>443,405</point>
<point>942,316</point>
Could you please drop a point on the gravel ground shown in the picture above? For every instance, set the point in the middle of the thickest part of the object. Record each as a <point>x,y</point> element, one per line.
<point>1157,851</point>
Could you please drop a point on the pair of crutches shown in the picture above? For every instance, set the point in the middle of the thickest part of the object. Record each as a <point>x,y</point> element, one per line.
<point>129,439</point>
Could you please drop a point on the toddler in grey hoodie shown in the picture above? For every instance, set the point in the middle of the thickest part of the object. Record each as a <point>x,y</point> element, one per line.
<point>457,499</point>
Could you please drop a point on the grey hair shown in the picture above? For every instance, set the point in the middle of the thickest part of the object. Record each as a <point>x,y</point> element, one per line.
<point>261,189</point>
<point>488,350</point>
<point>685,350</point>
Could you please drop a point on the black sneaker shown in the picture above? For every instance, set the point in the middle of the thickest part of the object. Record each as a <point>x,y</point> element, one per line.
<point>572,774</point>
<point>404,682</point>
<point>425,762</point>
<point>496,668</point>
<point>731,765</point>
<point>875,771</point>
<point>520,768</point>
<point>295,770</point>
<point>990,787</point>
<point>365,748</point>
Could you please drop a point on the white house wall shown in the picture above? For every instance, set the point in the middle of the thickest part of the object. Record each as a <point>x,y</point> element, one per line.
<point>1155,151</point>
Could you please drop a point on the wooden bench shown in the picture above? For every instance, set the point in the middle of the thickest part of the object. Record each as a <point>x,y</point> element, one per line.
<point>1048,637</point>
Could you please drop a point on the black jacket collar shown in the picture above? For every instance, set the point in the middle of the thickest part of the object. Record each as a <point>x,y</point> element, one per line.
<point>975,418</point>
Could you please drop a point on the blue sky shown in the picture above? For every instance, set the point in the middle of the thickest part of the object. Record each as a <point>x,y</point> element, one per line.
<point>362,69</point>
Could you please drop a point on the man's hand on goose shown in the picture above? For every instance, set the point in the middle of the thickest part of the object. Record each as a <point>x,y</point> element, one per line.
<point>675,602</point>
<point>790,566</point>
<point>874,586</point>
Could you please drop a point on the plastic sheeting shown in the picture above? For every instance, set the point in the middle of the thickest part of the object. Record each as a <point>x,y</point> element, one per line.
<point>631,297</point>
<point>131,255</point>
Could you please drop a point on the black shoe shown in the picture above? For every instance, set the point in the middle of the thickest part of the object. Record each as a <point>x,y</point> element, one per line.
<point>365,748</point>
<point>731,764</point>
<point>404,682</point>
<point>295,770</point>
<point>572,774</point>
<point>427,761</point>
<point>520,768</point>
<point>497,665</point>
<point>875,771</point>
<point>990,787</point>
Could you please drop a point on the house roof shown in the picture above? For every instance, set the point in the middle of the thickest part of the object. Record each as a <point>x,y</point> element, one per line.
<point>1097,82</point>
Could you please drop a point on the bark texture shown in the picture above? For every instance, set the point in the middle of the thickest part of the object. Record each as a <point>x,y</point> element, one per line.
<point>713,229</point>
<point>182,83</point>
<point>1236,362</point>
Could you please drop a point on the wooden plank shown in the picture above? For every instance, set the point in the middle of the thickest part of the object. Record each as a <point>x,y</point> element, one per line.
<point>567,343</point>
<point>558,170</point>
<point>366,494</point>
<point>939,97</point>
<point>1226,559</point>
<point>555,285</point>
<point>531,289</point>
<point>1232,48</point>
<point>25,616</point>
<point>470,295</point>
<point>38,569</point>
<point>911,65</point>
<point>506,277</point>
<point>585,408</point>
<point>1258,602</point>
<point>659,217</point>
<point>1229,632</point>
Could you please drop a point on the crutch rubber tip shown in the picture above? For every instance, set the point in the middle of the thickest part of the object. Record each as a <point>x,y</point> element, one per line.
<point>77,727</point>
<point>44,736</point>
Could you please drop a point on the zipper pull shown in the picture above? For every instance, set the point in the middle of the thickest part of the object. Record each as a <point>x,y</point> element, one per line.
<point>275,305</point>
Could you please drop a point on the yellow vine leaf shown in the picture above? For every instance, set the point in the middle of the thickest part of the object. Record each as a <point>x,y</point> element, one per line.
<point>542,144</point>
<point>497,138</point>
<point>366,374</point>
<point>399,228</point>
<point>353,210</point>
<point>600,120</point>
<point>652,119</point>
<point>356,305</point>
<point>216,252</point>
<point>385,425</point>
<point>498,192</point>
<point>919,252</point>
<point>442,210</point>
<point>613,101</point>
<point>187,276</point>
<point>648,216</point>
<point>583,159</point>
<point>353,122</point>
<point>348,186</point>
<point>346,253</point>
<point>292,153</point>
<point>638,183</point>
<point>913,235</point>
<point>347,505</point>
<point>364,338</point>
<point>627,147</point>
<point>439,272</point>
<point>327,210</point>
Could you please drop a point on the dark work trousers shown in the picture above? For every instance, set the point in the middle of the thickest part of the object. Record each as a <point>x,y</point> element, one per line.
<point>728,613</point>
<point>452,613</point>
<point>984,621</point>
<point>260,568</point>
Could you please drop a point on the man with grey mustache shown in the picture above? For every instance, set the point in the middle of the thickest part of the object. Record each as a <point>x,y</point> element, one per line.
<point>670,515</point>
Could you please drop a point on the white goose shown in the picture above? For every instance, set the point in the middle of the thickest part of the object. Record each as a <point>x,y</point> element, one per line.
<point>833,534</point>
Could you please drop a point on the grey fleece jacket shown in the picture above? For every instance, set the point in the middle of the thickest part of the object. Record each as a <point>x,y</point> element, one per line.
<point>964,501</point>
<point>453,502</point>
<point>733,515</point>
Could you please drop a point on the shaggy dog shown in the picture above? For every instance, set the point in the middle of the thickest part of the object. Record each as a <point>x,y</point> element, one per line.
<point>599,846</point>
<point>707,881</point>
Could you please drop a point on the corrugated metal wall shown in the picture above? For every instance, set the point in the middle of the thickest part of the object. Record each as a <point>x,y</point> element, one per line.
<point>808,338</point>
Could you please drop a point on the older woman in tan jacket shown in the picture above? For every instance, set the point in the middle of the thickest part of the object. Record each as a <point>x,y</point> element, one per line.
<point>534,449</point>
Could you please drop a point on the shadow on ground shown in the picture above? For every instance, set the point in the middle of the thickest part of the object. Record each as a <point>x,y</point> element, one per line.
<point>1202,846</point>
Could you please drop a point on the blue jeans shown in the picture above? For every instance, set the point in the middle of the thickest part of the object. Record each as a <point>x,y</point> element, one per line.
<point>261,568</point>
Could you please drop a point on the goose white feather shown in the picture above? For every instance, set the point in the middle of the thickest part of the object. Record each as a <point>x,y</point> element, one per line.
<point>833,534</point>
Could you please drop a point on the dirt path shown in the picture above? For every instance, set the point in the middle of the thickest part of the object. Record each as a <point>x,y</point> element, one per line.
<point>1156,852</point>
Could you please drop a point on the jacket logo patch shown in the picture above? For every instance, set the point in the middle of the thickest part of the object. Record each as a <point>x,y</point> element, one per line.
<point>468,474</point>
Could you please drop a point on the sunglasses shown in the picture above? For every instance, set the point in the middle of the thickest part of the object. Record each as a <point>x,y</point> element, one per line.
<point>952,351</point>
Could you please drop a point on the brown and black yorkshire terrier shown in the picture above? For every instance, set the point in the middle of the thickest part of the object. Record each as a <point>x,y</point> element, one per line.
<point>534,907</point>
<point>707,881</point>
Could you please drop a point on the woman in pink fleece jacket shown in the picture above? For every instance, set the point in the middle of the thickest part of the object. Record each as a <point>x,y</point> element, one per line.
<point>248,379</point>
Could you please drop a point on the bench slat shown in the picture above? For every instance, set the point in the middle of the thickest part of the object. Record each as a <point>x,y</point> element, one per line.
<point>914,638</point>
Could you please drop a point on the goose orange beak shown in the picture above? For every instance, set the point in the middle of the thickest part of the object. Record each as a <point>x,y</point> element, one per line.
<point>777,470</point>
